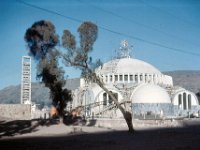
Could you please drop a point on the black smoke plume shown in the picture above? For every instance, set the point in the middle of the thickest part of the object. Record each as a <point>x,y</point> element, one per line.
<point>41,40</point>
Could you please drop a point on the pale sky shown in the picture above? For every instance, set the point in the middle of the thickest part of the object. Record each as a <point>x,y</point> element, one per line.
<point>163,33</point>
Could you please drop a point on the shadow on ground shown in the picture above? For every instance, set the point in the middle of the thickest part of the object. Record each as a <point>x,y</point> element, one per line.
<point>16,127</point>
<point>186,138</point>
<point>12,128</point>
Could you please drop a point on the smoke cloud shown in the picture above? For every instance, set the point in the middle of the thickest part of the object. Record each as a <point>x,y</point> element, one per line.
<point>41,40</point>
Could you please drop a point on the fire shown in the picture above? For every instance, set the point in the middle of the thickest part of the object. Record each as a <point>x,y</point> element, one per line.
<point>53,112</point>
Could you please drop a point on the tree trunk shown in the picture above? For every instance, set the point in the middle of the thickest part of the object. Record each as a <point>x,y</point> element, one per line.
<point>128,118</point>
<point>127,115</point>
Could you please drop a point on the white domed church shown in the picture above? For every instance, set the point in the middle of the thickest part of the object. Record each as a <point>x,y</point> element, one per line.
<point>138,86</point>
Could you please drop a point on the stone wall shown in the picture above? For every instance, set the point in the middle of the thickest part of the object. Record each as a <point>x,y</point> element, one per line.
<point>15,111</point>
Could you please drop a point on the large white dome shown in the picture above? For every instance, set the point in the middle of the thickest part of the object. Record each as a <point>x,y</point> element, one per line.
<point>150,93</point>
<point>128,65</point>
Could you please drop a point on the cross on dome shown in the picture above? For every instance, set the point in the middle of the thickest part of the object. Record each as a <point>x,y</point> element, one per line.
<point>124,43</point>
<point>125,49</point>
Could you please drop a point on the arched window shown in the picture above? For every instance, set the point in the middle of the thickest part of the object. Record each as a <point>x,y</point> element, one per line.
<point>126,77</point>
<point>104,99</point>
<point>120,78</point>
<point>150,78</point>
<point>141,77</point>
<point>116,77</point>
<point>179,100</point>
<point>189,101</point>
<point>111,78</point>
<point>109,99</point>
<point>145,77</point>
<point>184,101</point>
<point>136,78</point>
<point>131,77</point>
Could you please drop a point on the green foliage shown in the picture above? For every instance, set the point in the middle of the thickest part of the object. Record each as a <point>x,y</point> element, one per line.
<point>78,56</point>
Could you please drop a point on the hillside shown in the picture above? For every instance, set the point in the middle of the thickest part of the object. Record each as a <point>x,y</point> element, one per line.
<point>11,94</point>
<point>190,80</point>
<point>40,95</point>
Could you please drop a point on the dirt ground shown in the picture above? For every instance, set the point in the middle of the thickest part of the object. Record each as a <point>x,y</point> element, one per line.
<point>38,135</point>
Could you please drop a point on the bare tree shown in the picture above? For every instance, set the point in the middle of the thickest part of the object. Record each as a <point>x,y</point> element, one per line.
<point>41,40</point>
<point>78,57</point>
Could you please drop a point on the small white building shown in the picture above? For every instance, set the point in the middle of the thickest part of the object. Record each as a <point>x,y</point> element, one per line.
<point>138,86</point>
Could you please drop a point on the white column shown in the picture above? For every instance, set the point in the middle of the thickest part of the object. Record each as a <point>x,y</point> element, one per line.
<point>152,78</point>
<point>182,101</point>
<point>162,80</point>
<point>156,78</point>
<point>113,78</point>
<point>143,77</point>
<point>159,79</point>
<point>138,78</point>
<point>148,78</point>
<point>186,101</point>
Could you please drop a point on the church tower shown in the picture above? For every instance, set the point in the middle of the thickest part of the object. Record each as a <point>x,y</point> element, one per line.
<point>26,80</point>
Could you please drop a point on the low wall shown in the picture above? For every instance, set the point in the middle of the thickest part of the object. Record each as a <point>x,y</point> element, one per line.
<point>15,111</point>
<point>106,122</point>
<point>120,124</point>
<point>154,108</point>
